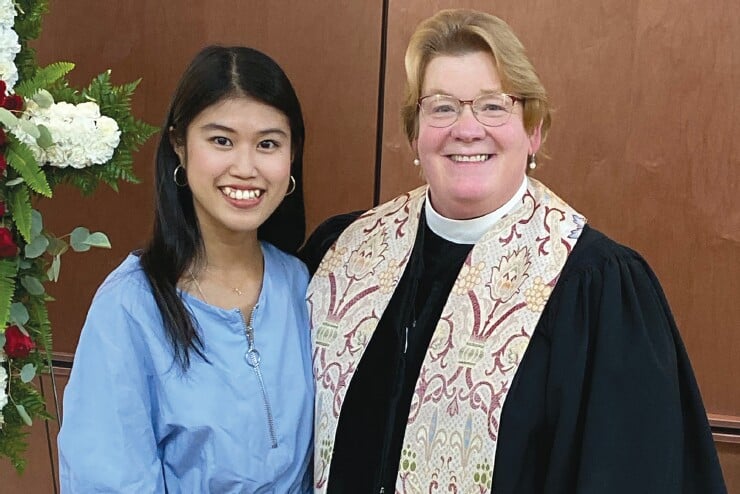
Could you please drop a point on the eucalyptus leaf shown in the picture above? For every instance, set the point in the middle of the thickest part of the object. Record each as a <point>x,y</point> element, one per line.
<point>8,119</point>
<point>37,223</point>
<point>15,181</point>
<point>36,247</point>
<point>29,128</point>
<point>28,372</point>
<point>44,140</point>
<point>2,340</point>
<point>24,264</point>
<point>24,415</point>
<point>18,313</point>
<point>53,271</point>
<point>98,239</point>
<point>77,239</point>
<point>57,246</point>
<point>43,98</point>
<point>32,285</point>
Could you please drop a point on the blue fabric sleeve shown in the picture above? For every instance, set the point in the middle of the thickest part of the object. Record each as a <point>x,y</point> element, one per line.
<point>107,441</point>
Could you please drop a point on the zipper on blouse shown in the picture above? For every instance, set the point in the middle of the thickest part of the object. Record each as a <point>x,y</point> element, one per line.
<point>253,359</point>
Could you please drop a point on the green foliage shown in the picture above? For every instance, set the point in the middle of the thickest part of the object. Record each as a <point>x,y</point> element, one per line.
<point>19,201</point>
<point>114,102</point>
<point>23,295</point>
<point>28,27</point>
<point>21,159</point>
<point>8,272</point>
<point>44,78</point>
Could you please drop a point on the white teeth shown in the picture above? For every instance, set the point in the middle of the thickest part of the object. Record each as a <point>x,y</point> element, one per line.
<point>468,158</point>
<point>241,194</point>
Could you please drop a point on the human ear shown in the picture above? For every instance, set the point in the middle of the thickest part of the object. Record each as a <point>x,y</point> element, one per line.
<point>535,139</point>
<point>177,145</point>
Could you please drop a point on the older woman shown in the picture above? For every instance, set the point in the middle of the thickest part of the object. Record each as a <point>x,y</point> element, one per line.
<point>475,334</point>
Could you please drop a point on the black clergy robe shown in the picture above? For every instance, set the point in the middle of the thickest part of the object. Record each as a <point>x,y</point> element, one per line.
<point>604,400</point>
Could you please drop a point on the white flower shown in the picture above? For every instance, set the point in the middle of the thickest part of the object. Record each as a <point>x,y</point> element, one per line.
<point>82,137</point>
<point>9,45</point>
<point>3,393</point>
<point>8,72</point>
<point>7,13</point>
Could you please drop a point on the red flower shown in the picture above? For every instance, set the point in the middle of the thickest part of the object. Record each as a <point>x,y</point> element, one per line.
<point>17,345</point>
<point>13,103</point>
<point>3,164</point>
<point>2,209</point>
<point>7,245</point>
<point>3,88</point>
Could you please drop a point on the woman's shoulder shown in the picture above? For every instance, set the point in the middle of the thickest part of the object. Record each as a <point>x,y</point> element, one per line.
<point>324,237</point>
<point>126,284</point>
<point>595,251</point>
<point>285,265</point>
<point>128,271</point>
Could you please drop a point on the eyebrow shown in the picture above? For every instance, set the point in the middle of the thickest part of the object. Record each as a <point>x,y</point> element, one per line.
<point>447,93</point>
<point>225,128</point>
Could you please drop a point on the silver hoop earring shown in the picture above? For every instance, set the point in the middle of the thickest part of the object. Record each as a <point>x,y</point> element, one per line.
<point>416,162</point>
<point>180,170</point>
<point>292,188</point>
<point>532,162</point>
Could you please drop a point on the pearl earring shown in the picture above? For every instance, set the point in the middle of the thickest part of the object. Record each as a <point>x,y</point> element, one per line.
<point>532,162</point>
<point>417,162</point>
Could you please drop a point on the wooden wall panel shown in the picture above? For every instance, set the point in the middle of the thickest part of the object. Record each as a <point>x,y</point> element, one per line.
<point>331,55</point>
<point>41,470</point>
<point>643,143</point>
<point>729,457</point>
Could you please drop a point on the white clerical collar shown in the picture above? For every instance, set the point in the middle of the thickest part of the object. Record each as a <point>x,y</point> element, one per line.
<point>469,231</point>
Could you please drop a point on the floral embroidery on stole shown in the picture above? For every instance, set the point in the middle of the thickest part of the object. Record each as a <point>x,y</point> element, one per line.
<point>485,328</point>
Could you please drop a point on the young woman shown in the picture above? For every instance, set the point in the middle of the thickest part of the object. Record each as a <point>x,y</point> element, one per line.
<point>193,370</point>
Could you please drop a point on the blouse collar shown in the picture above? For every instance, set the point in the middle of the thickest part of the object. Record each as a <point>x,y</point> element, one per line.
<point>471,230</point>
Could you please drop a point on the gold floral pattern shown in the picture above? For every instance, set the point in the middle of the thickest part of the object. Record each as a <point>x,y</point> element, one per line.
<point>368,255</point>
<point>478,344</point>
<point>468,278</point>
<point>508,276</point>
<point>332,261</point>
<point>537,295</point>
<point>388,278</point>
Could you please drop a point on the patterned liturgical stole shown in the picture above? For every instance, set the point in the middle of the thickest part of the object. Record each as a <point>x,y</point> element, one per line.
<point>478,343</point>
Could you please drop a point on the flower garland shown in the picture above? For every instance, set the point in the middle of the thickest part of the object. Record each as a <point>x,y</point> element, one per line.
<point>49,134</point>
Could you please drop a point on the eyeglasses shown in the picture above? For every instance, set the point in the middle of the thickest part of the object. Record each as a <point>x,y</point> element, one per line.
<point>493,109</point>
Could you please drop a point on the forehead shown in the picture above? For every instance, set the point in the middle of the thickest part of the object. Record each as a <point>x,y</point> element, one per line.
<point>465,75</point>
<point>242,113</point>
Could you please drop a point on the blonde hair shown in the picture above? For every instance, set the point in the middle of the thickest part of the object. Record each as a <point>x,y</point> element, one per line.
<point>462,31</point>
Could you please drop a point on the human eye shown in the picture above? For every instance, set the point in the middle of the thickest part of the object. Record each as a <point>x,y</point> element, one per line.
<point>441,105</point>
<point>268,144</point>
<point>493,105</point>
<point>221,141</point>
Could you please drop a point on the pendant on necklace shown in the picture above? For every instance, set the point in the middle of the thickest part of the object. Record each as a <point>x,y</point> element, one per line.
<point>237,291</point>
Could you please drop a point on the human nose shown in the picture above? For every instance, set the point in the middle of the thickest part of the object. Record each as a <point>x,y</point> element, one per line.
<point>244,164</point>
<point>467,127</point>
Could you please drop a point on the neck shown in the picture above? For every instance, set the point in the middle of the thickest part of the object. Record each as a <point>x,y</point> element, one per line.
<point>230,254</point>
<point>230,272</point>
<point>469,231</point>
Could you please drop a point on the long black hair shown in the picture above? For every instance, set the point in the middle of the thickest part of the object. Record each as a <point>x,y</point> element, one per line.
<point>216,73</point>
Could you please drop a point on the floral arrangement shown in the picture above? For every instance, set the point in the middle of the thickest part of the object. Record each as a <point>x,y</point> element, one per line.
<point>50,133</point>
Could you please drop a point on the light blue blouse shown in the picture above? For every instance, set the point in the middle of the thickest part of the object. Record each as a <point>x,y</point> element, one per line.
<point>135,423</point>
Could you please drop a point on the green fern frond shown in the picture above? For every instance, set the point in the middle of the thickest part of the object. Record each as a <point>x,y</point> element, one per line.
<point>8,271</point>
<point>44,78</point>
<point>21,159</point>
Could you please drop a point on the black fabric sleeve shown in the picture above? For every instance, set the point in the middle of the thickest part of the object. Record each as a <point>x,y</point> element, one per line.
<point>323,238</point>
<point>621,408</point>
